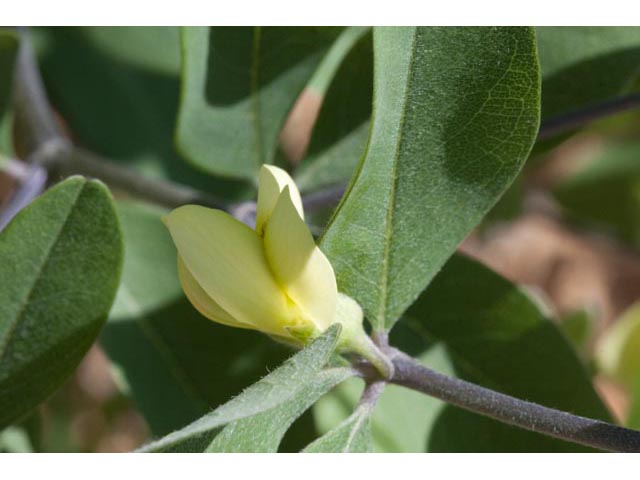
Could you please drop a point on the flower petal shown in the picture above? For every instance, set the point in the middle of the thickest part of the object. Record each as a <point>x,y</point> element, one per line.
<point>271,183</point>
<point>298,264</point>
<point>203,302</point>
<point>227,260</point>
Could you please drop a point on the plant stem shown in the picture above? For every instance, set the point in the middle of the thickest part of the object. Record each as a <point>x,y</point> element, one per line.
<point>32,180</point>
<point>46,145</point>
<point>167,194</point>
<point>35,122</point>
<point>370,395</point>
<point>365,347</point>
<point>578,118</point>
<point>504,408</point>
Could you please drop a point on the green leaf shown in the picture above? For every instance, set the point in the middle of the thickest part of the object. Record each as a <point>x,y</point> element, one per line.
<point>263,432</point>
<point>618,353</point>
<point>606,192</point>
<point>402,418</point>
<point>633,419</point>
<point>579,326</point>
<point>23,437</point>
<point>156,49</point>
<point>437,160</point>
<point>340,133</point>
<point>351,436</point>
<point>335,164</point>
<point>8,52</point>
<point>119,94</point>
<point>509,206</point>
<point>618,357</point>
<point>473,324</point>
<point>6,141</point>
<point>176,364</point>
<point>61,259</point>
<point>15,439</point>
<point>279,387</point>
<point>238,85</point>
<point>586,65</point>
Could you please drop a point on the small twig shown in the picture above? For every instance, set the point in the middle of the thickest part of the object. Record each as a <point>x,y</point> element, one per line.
<point>370,395</point>
<point>578,118</point>
<point>513,411</point>
<point>46,145</point>
<point>14,168</point>
<point>36,137</point>
<point>167,194</point>
<point>33,180</point>
<point>34,119</point>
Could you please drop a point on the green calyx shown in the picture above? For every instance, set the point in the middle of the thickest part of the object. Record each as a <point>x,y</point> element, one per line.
<point>353,338</point>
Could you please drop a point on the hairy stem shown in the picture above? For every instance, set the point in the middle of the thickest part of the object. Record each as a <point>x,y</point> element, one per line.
<point>370,395</point>
<point>504,408</point>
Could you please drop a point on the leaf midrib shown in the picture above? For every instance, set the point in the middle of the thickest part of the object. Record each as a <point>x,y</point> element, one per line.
<point>382,304</point>
<point>362,414</point>
<point>384,274</point>
<point>4,342</point>
<point>196,428</point>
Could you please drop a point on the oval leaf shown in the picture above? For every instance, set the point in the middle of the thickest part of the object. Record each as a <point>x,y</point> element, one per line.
<point>238,85</point>
<point>61,259</point>
<point>456,113</point>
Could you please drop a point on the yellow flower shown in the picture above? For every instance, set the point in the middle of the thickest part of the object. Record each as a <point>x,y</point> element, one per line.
<point>273,279</point>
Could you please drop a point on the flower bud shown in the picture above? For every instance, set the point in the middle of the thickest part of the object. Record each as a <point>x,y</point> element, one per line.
<point>273,279</point>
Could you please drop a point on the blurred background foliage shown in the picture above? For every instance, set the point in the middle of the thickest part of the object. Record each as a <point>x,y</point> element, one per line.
<point>184,106</point>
